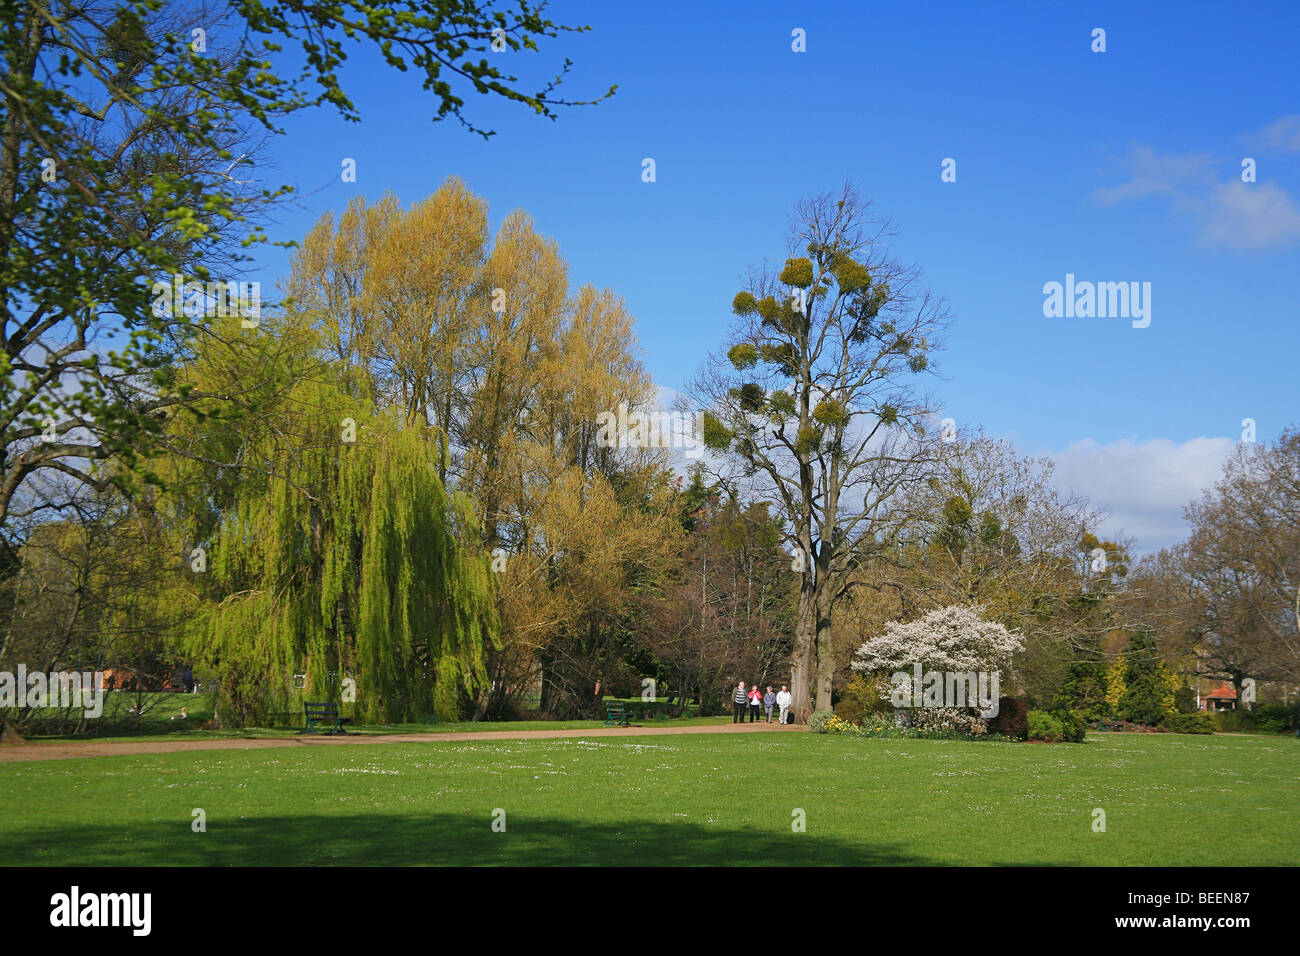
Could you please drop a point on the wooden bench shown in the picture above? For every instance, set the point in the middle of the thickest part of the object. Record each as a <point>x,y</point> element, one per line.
<point>615,714</point>
<point>1108,725</point>
<point>324,712</point>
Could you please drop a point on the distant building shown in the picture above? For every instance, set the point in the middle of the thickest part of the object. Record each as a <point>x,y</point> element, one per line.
<point>1223,697</point>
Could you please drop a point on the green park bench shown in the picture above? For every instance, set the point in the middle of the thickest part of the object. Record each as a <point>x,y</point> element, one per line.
<point>1108,725</point>
<point>615,714</point>
<point>324,712</point>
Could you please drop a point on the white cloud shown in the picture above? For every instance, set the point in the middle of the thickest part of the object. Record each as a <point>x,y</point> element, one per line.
<point>1229,212</point>
<point>1143,485</point>
<point>1250,215</point>
<point>1156,173</point>
<point>1285,133</point>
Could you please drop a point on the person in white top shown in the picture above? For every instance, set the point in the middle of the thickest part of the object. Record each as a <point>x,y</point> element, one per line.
<point>783,701</point>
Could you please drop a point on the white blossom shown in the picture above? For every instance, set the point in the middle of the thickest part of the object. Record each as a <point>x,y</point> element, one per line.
<point>954,638</point>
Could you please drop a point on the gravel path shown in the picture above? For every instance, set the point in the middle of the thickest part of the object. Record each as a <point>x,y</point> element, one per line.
<point>64,750</point>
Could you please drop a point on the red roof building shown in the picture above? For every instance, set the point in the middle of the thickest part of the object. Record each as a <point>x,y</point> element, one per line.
<point>1223,697</point>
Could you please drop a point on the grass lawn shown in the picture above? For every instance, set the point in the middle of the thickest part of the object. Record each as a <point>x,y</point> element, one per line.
<point>703,799</point>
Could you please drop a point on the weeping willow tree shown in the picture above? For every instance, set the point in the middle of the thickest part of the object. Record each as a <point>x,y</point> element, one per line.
<point>333,549</point>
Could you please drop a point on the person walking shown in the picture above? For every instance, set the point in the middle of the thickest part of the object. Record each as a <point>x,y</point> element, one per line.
<point>769,701</point>
<point>783,701</point>
<point>755,702</point>
<point>738,702</point>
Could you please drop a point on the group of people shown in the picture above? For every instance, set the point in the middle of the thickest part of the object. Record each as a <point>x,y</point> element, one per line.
<point>755,700</point>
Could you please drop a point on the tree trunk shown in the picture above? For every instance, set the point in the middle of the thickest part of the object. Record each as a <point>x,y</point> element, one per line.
<point>546,694</point>
<point>823,650</point>
<point>801,661</point>
<point>825,653</point>
<point>8,735</point>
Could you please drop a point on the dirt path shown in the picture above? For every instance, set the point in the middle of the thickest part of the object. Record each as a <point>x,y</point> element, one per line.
<point>66,751</point>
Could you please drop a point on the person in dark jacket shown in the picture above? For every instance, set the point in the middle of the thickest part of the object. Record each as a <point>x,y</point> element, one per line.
<point>769,702</point>
<point>739,700</point>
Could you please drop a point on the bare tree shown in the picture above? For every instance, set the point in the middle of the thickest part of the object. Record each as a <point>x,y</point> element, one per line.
<point>727,614</point>
<point>814,405</point>
<point>1236,581</point>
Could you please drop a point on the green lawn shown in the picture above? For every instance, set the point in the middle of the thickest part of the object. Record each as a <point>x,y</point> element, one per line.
<point>700,799</point>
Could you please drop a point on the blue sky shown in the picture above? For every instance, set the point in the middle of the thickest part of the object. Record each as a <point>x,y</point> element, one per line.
<point>1115,166</point>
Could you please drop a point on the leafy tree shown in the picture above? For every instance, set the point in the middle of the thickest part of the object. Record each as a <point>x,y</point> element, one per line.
<point>1116,687</point>
<point>86,598</point>
<point>1084,688</point>
<point>334,550</point>
<point>130,132</point>
<point>695,498</point>
<point>1148,696</point>
<point>480,337</point>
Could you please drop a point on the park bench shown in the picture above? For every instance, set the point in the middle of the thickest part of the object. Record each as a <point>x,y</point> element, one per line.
<point>324,712</point>
<point>1108,725</point>
<point>615,714</point>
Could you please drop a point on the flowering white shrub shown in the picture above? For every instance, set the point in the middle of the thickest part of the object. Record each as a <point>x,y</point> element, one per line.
<point>954,638</point>
<point>948,718</point>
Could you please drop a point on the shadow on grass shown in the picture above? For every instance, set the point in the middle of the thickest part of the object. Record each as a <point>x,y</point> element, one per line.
<point>440,840</point>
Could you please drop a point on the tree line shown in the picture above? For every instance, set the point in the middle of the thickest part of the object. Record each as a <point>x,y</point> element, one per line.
<point>394,483</point>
